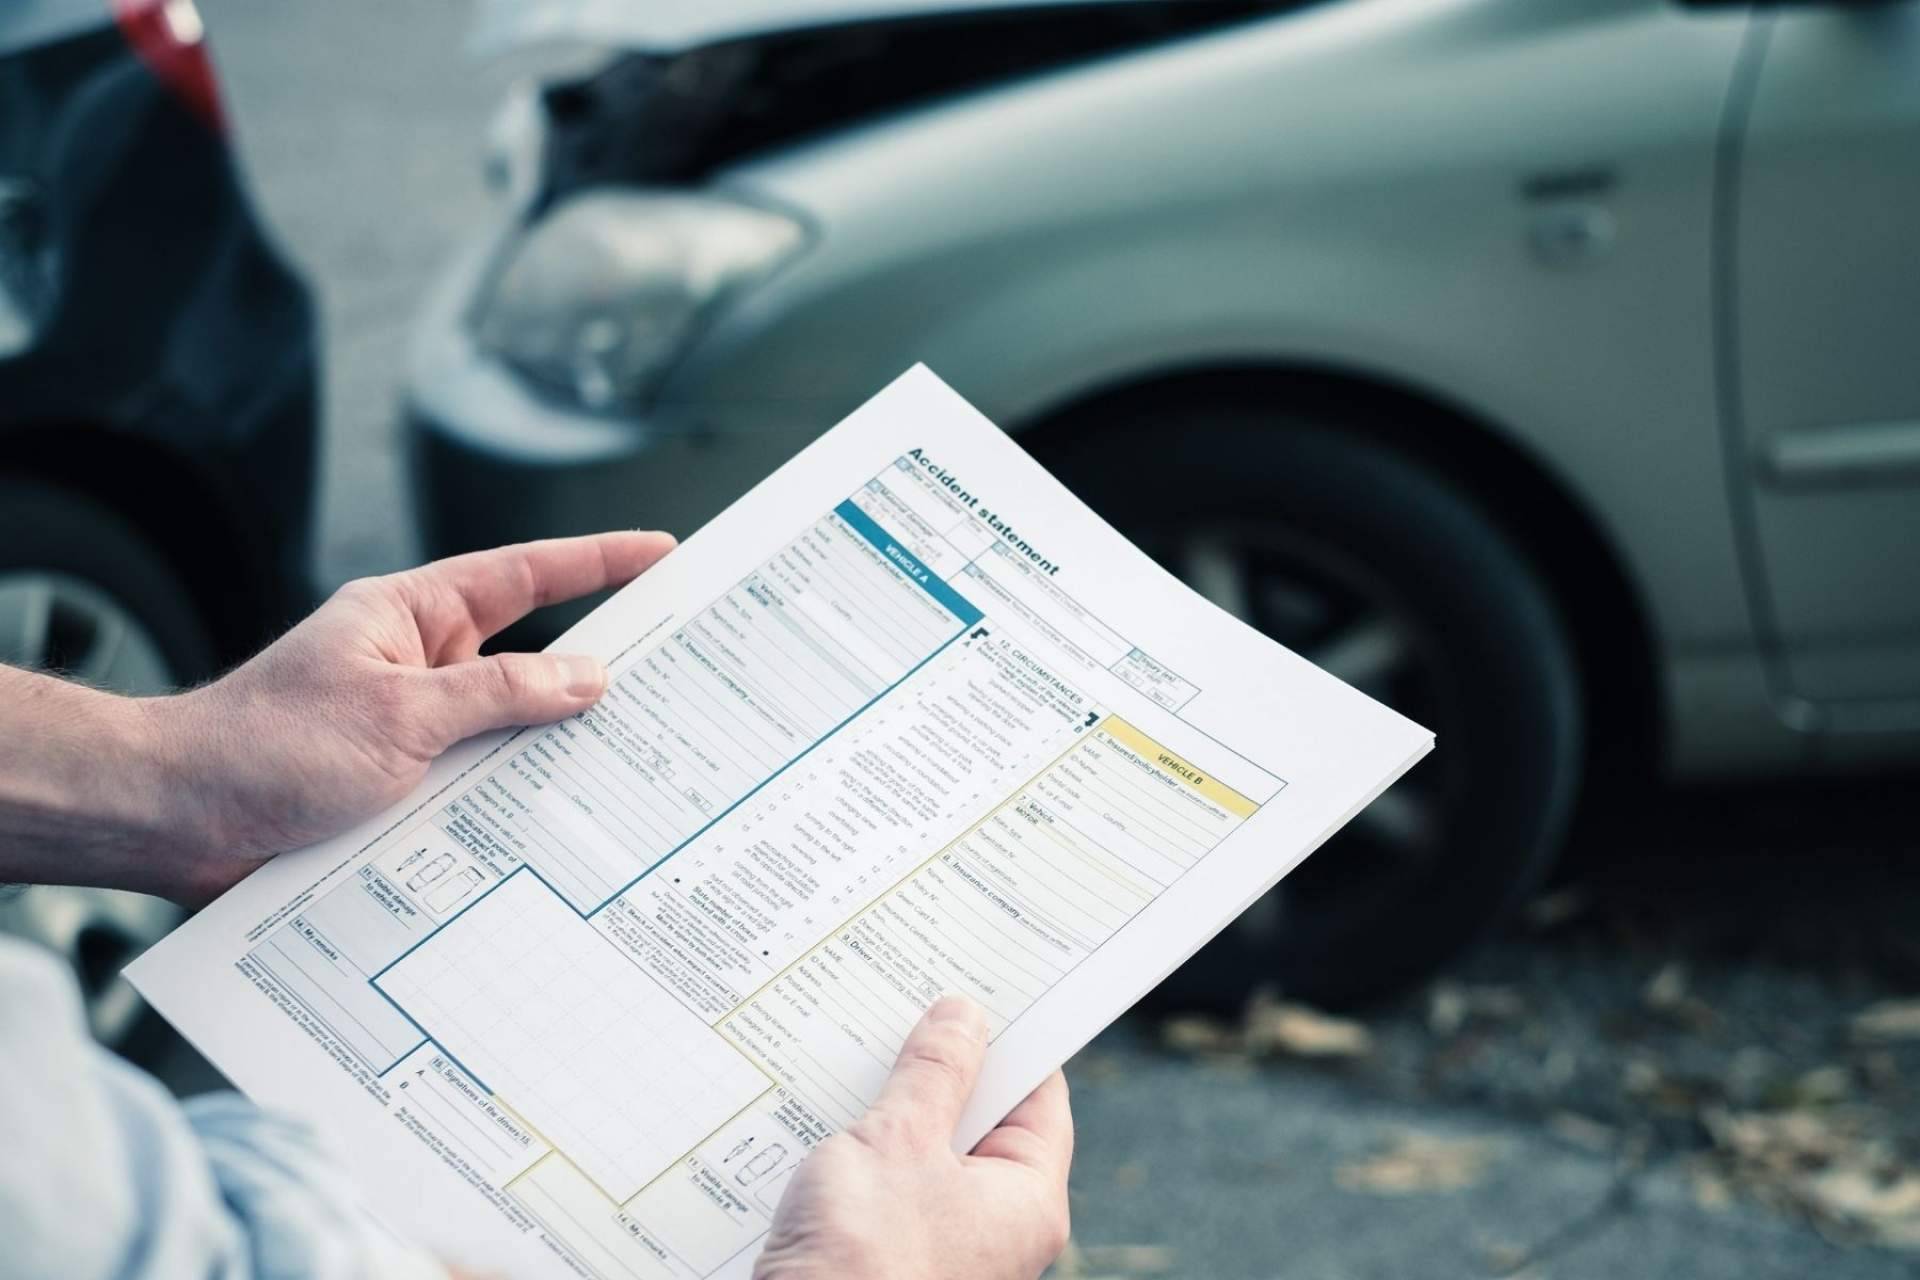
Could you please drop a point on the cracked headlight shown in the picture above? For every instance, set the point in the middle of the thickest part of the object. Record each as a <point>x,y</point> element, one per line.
<point>596,300</point>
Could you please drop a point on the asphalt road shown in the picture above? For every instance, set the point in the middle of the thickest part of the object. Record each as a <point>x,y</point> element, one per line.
<point>1568,1107</point>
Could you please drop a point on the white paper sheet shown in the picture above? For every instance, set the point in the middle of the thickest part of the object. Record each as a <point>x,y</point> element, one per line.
<point>906,719</point>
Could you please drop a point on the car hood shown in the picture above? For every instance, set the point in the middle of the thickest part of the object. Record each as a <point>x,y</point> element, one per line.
<point>669,26</point>
<point>694,85</point>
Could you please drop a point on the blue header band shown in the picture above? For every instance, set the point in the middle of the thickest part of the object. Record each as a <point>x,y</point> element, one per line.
<point>906,562</point>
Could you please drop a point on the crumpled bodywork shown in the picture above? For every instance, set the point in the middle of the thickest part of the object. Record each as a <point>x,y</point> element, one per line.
<point>695,86</point>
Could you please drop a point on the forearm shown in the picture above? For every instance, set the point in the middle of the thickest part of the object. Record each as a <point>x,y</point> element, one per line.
<point>329,725</point>
<point>89,792</point>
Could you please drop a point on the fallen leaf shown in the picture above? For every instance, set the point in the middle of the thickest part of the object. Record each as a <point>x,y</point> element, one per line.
<point>1451,1005</point>
<point>1888,1020</point>
<point>1582,1131</point>
<point>1641,1076</point>
<point>1667,988</point>
<point>1710,1189</point>
<point>1275,1026</point>
<point>1446,1009</point>
<point>1667,994</point>
<point>1419,1162</point>
<point>1130,1259</point>
<point>1194,1034</point>
<point>1834,1165</point>
<point>1884,1206</point>
<point>1779,1141</point>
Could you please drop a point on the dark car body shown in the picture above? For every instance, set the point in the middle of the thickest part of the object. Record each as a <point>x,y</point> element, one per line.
<point>161,355</point>
<point>157,400</point>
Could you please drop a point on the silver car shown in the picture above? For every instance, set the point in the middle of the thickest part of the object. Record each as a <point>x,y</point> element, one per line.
<point>1544,367</point>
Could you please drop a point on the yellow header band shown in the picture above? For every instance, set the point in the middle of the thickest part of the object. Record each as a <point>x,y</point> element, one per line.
<point>1173,766</point>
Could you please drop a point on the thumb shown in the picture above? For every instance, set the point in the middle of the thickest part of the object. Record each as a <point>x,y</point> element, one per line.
<point>512,689</point>
<point>935,1074</point>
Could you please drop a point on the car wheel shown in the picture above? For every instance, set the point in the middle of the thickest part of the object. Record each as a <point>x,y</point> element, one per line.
<point>1383,572</point>
<point>82,594</point>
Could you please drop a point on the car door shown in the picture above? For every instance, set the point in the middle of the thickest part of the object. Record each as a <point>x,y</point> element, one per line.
<point>1822,283</point>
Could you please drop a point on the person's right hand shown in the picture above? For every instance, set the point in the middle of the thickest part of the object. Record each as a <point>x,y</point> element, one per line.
<point>889,1200</point>
<point>341,716</point>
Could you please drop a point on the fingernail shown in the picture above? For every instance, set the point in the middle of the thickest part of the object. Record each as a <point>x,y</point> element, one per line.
<point>584,675</point>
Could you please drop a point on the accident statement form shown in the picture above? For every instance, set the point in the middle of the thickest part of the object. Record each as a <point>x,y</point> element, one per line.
<point>907,719</point>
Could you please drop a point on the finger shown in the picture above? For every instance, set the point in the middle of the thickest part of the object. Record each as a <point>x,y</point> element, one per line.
<point>505,689</point>
<point>934,1075</point>
<point>501,586</point>
<point>1038,1133</point>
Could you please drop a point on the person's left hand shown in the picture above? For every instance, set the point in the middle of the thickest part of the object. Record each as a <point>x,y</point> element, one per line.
<point>889,1200</point>
<point>341,716</point>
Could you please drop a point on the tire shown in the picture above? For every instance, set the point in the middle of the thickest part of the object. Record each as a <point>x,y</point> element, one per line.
<point>66,536</point>
<point>1382,570</point>
<point>84,594</point>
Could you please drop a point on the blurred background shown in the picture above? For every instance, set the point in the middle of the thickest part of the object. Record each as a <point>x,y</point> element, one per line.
<point>1542,367</point>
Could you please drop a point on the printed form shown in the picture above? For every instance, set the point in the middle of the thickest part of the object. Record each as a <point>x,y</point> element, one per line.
<point>907,719</point>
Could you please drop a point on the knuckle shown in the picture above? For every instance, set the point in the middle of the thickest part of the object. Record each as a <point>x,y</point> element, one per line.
<point>526,578</point>
<point>1021,1145</point>
<point>358,590</point>
<point>941,1047</point>
<point>940,1059</point>
<point>513,682</point>
<point>937,1081</point>
<point>885,1131</point>
<point>373,595</point>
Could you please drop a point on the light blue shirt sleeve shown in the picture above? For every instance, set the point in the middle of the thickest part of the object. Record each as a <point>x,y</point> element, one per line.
<point>103,1176</point>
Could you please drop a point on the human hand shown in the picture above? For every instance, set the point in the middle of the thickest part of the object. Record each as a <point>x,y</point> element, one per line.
<point>889,1200</point>
<point>340,717</point>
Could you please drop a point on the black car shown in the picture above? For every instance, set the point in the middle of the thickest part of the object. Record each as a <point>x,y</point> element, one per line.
<point>157,388</point>
<point>157,358</point>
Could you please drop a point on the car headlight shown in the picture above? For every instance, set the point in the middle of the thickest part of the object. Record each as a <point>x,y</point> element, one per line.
<point>599,297</point>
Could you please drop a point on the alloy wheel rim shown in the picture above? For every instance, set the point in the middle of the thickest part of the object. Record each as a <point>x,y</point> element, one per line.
<point>52,621</point>
<point>1331,610</point>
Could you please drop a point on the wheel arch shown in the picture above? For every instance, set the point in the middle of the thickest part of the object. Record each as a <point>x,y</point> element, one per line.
<point>1551,525</point>
<point>169,501</point>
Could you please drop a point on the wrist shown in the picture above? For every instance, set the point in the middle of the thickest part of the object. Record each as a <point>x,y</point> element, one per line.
<point>91,795</point>
<point>183,795</point>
